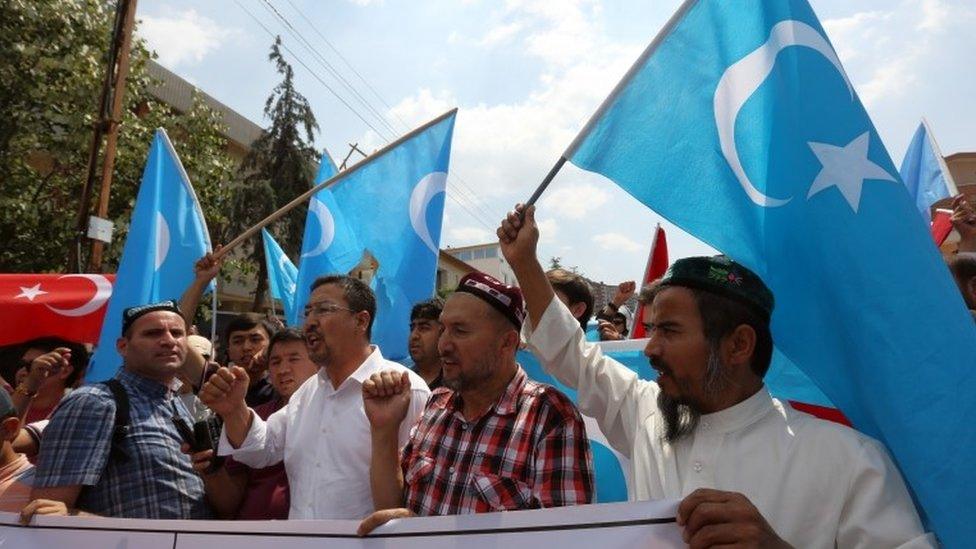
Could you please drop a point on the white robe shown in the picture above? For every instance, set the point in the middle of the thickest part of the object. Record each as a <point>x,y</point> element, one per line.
<point>817,483</point>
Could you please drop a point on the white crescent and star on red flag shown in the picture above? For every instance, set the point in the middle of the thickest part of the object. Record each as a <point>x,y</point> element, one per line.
<point>70,306</point>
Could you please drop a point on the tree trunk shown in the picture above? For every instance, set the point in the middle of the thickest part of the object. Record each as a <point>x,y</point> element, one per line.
<point>260,292</point>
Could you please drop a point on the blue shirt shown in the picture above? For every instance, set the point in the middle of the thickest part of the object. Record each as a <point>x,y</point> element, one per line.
<point>157,482</point>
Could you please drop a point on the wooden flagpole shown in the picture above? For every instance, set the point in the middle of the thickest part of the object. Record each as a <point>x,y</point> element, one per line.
<point>328,183</point>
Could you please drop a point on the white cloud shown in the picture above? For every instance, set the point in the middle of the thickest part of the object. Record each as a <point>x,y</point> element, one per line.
<point>548,230</point>
<point>500,34</point>
<point>465,236</point>
<point>575,201</point>
<point>907,61</point>
<point>935,15</point>
<point>182,38</point>
<point>616,242</point>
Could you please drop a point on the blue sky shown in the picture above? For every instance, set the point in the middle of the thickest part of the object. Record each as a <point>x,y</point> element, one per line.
<point>526,76</point>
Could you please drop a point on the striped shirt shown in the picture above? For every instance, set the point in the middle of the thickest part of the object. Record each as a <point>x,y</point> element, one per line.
<point>529,450</point>
<point>157,481</point>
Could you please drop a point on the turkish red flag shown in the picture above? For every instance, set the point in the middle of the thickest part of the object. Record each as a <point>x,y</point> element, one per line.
<point>69,306</point>
<point>941,225</point>
<point>657,264</point>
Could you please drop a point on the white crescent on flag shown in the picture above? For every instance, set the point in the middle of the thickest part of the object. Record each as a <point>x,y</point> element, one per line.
<point>103,290</point>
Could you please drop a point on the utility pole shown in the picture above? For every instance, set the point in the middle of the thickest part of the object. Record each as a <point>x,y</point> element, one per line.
<point>106,125</point>
<point>353,147</point>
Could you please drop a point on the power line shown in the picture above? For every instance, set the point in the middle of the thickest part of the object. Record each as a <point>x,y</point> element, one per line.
<point>346,62</point>
<point>461,183</point>
<point>326,65</point>
<point>302,63</point>
<point>458,200</point>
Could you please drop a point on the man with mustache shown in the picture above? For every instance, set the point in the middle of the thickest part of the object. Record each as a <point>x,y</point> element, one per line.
<point>321,434</point>
<point>241,492</point>
<point>86,466</point>
<point>748,469</point>
<point>490,439</point>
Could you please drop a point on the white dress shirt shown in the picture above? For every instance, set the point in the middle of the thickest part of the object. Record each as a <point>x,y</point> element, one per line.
<point>323,436</point>
<point>817,483</point>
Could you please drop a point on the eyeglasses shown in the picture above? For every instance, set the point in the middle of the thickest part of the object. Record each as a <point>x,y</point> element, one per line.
<point>321,309</point>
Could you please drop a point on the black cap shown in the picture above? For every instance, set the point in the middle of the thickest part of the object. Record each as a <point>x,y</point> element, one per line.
<point>132,314</point>
<point>720,275</point>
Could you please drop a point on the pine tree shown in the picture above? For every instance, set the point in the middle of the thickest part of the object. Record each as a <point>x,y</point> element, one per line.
<point>279,167</point>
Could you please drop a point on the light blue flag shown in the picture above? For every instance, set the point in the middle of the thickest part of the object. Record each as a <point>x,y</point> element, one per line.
<point>395,204</point>
<point>166,237</point>
<point>924,172</point>
<point>739,125</point>
<point>282,273</point>
<point>329,245</point>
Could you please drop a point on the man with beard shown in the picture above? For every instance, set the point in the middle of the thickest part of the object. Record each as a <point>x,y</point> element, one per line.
<point>322,434</point>
<point>490,439</point>
<point>748,469</point>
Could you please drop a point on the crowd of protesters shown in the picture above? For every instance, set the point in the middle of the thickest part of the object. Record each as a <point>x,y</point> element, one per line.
<point>314,423</point>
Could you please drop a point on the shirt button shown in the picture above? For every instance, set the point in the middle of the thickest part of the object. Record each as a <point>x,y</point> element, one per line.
<point>697,466</point>
<point>451,470</point>
<point>704,425</point>
<point>318,464</point>
<point>464,426</point>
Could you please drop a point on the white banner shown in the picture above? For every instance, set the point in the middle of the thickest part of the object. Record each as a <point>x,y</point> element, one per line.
<point>607,526</point>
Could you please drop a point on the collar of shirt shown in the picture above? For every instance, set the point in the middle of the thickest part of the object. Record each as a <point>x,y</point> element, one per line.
<point>149,386</point>
<point>739,416</point>
<point>505,405</point>
<point>373,363</point>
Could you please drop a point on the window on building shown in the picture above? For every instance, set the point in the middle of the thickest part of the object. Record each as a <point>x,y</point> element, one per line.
<point>491,252</point>
<point>465,255</point>
<point>478,254</point>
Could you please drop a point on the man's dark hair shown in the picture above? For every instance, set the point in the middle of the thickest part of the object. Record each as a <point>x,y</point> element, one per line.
<point>963,266</point>
<point>283,336</point>
<point>576,288</point>
<point>356,293</point>
<point>427,310</point>
<point>248,321</point>
<point>720,317</point>
<point>79,354</point>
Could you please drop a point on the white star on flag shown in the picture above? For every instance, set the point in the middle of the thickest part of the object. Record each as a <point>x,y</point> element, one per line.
<point>846,168</point>
<point>31,292</point>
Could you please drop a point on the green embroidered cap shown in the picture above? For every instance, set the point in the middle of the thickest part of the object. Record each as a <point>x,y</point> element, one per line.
<point>722,276</point>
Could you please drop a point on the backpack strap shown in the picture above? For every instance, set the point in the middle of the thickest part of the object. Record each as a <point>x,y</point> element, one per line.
<point>121,425</point>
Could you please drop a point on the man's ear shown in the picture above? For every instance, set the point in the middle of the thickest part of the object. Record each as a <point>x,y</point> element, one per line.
<point>362,320</point>
<point>739,346</point>
<point>120,345</point>
<point>971,291</point>
<point>577,309</point>
<point>511,342</point>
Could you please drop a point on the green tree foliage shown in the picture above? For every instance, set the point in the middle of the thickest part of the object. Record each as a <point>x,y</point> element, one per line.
<point>54,54</point>
<point>279,167</point>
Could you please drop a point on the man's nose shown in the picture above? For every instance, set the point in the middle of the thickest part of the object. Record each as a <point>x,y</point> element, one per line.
<point>653,347</point>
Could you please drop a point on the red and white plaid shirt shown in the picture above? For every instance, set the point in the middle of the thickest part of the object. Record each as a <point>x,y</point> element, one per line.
<point>527,451</point>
